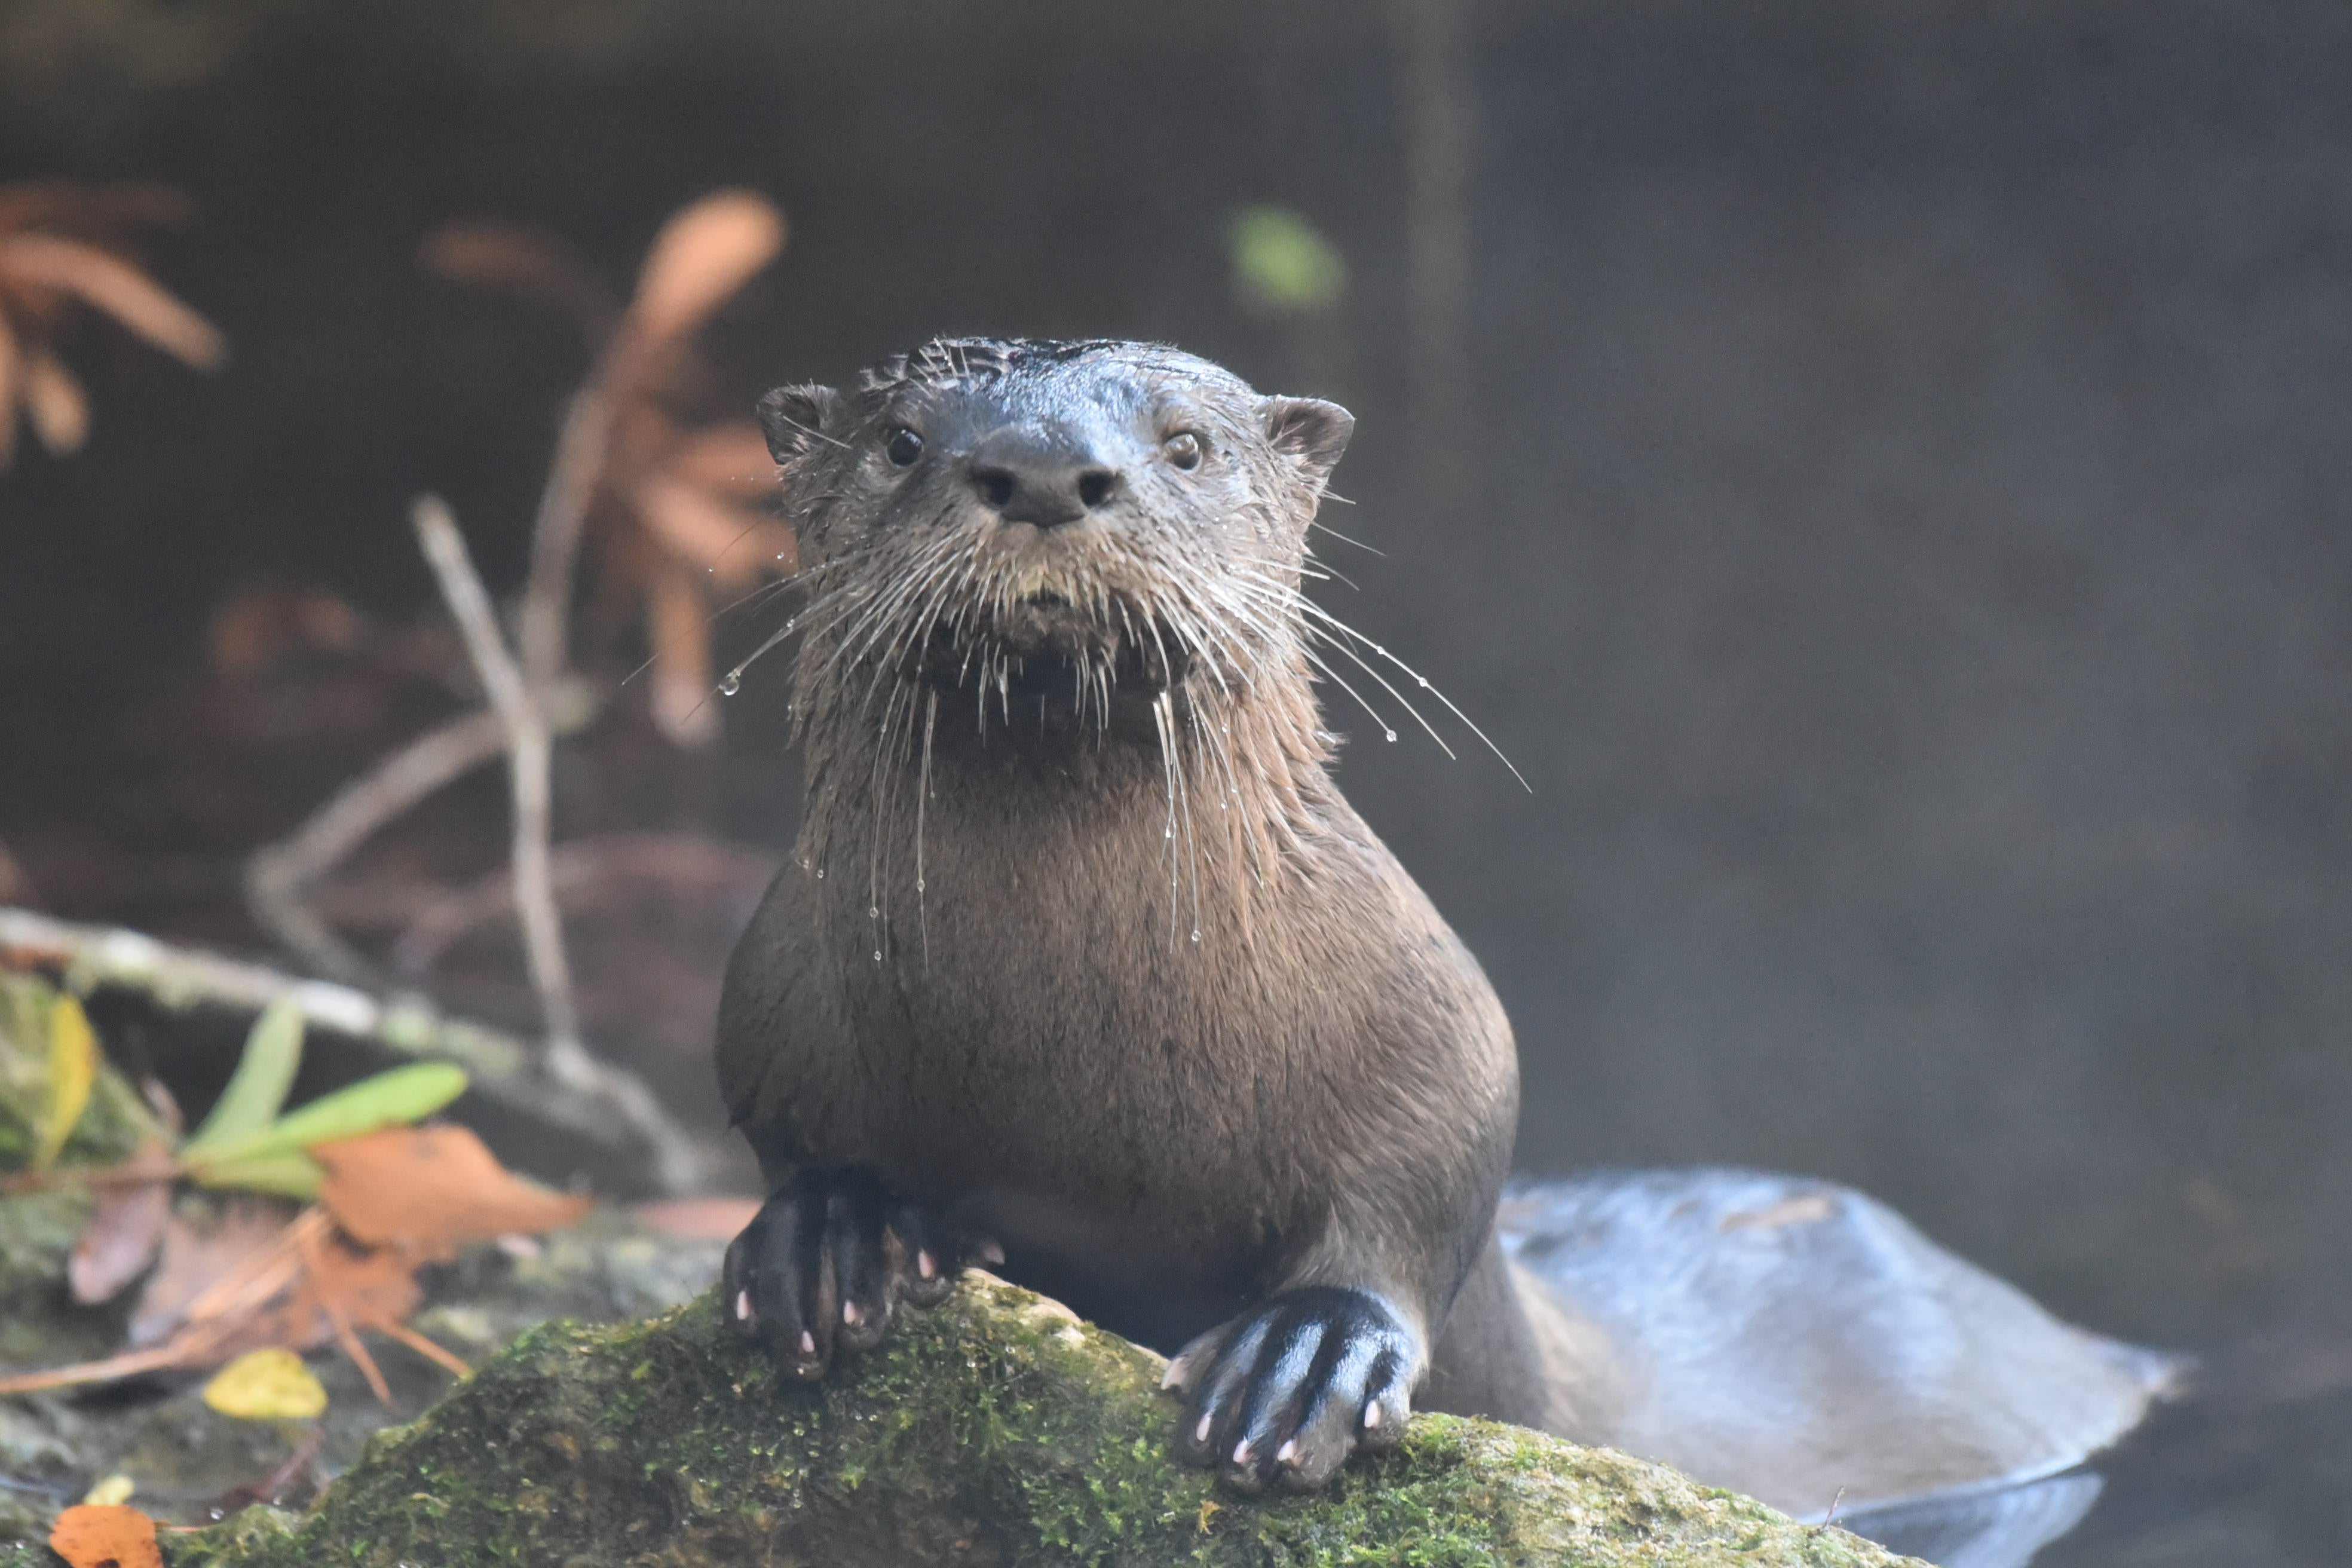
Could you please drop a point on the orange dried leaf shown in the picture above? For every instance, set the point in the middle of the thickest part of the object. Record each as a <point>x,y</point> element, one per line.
<point>678,625</point>
<point>507,256</point>
<point>72,205</point>
<point>101,279</point>
<point>736,546</point>
<point>702,255</point>
<point>10,359</point>
<point>365,1285</point>
<point>123,1232</point>
<point>429,1190</point>
<point>732,460</point>
<point>90,1534</point>
<point>59,408</point>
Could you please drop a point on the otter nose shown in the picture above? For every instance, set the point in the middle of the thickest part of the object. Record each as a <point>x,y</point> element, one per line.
<point>1047,477</point>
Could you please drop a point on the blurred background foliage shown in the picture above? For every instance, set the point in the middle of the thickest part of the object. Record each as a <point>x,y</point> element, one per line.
<point>1891,499</point>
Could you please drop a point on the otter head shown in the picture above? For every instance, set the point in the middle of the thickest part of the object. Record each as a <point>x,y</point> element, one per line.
<point>1060,525</point>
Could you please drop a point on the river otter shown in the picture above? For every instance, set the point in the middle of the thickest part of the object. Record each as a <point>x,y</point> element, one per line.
<point>1084,967</point>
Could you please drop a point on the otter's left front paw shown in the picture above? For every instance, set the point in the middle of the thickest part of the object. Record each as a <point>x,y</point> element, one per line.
<point>1286,1391</point>
<point>821,1269</point>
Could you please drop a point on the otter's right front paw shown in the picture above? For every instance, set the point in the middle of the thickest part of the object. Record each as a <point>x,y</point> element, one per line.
<point>823,1265</point>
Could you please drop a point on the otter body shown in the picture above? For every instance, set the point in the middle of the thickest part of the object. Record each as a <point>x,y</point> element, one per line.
<point>1081,959</point>
<point>1083,967</point>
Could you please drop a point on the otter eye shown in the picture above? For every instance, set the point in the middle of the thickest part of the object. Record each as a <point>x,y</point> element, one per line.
<point>1183,449</point>
<point>903,447</point>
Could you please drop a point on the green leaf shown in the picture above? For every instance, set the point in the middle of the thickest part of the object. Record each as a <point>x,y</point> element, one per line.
<point>1281,263</point>
<point>255,1091</point>
<point>291,1174</point>
<point>387,1100</point>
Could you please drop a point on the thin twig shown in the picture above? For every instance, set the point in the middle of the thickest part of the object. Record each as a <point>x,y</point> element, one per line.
<point>680,862</point>
<point>276,874</point>
<point>546,609</point>
<point>530,749</point>
<point>177,978</point>
<point>677,1159</point>
<point>279,876</point>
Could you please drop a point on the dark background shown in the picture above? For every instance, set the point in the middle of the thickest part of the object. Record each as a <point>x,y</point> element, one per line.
<point>1903,532</point>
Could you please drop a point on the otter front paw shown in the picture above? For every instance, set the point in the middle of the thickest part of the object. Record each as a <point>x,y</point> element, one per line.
<point>1284,1391</point>
<point>824,1263</point>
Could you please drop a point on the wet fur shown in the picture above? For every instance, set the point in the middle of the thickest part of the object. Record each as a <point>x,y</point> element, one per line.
<point>1080,946</point>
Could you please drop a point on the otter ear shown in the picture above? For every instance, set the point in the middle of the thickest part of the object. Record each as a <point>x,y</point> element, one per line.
<point>796,418</point>
<point>1307,430</point>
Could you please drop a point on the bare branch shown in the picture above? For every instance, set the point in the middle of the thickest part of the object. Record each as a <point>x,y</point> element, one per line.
<point>178,978</point>
<point>529,751</point>
<point>529,747</point>
<point>555,534</point>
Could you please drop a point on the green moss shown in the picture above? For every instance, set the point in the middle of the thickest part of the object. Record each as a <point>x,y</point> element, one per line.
<point>992,1429</point>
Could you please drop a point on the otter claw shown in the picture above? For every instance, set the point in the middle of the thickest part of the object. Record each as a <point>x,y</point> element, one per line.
<point>823,1265</point>
<point>1285,1392</point>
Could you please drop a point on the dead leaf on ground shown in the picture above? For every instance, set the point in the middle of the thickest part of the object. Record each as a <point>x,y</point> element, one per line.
<point>368,1286</point>
<point>91,1534</point>
<point>124,1231</point>
<point>429,1190</point>
<point>197,1255</point>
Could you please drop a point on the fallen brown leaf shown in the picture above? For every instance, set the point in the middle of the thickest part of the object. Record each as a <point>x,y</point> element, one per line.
<point>91,1534</point>
<point>428,1191</point>
<point>196,1255</point>
<point>124,1230</point>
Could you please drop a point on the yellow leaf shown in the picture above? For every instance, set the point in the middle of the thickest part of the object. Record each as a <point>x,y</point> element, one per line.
<point>73,1068</point>
<point>269,1384</point>
<point>110,1492</point>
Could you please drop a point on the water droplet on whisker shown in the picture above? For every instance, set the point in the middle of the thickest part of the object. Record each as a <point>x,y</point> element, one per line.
<point>1390,734</point>
<point>1196,933</point>
<point>730,683</point>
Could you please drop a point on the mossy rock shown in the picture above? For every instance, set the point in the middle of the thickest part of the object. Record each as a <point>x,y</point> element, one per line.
<point>994,1429</point>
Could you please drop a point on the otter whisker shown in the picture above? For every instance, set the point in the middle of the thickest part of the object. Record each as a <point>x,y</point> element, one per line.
<point>922,801</point>
<point>1163,722</point>
<point>1326,616</point>
<point>1386,686</point>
